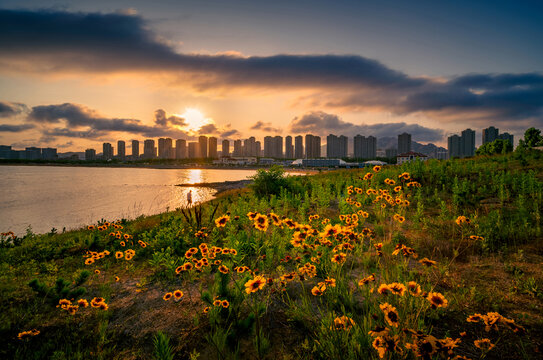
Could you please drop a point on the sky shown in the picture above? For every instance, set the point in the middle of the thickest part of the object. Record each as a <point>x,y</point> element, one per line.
<point>75,74</point>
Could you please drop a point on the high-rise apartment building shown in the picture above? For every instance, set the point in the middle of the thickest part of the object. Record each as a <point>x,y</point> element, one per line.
<point>336,147</point>
<point>454,146</point>
<point>225,148</point>
<point>250,147</point>
<point>299,147</point>
<point>365,147</point>
<point>149,149</point>
<point>180,149</point>
<point>194,150</point>
<point>107,151</point>
<point>135,149</point>
<point>404,143</point>
<point>467,143</point>
<point>121,149</point>
<point>202,141</point>
<point>490,134</point>
<point>273,147</point>
<point>213,148</point>
<point>238,148</point>
<point>165,148</point>
<point>507,136</point>
<point>90,155</point>
<point>312,146</point>
<point>289,148</point>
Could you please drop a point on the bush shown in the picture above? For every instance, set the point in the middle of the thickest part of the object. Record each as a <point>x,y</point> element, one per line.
<point>269,182</point>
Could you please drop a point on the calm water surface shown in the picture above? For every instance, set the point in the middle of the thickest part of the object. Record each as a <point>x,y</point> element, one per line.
<point>45,197</point>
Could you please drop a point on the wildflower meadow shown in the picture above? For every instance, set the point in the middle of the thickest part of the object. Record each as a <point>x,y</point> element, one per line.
<point>431,260</point>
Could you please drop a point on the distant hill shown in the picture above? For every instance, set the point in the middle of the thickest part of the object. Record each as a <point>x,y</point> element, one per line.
<point>392,143</point>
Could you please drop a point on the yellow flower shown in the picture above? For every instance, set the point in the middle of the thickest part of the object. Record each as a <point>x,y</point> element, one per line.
<point>437,300</point>
<point>484,344</point>
<point>177,294</point>
<point>223,269</point>
<point>221,221</point>
<point>167,296</point>
<point>391,315</point>
<point>255,284</point>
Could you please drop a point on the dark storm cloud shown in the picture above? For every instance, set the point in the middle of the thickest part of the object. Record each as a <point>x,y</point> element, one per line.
<point>115,42</point>
<point>55,41</point>
<point>265,126</point>
<point>8,109</point>
<point>77,116</point>
<point>321,123</point>
<point>15,128</point>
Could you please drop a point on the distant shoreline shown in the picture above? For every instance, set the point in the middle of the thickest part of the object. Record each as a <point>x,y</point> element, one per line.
<point>162,166</point>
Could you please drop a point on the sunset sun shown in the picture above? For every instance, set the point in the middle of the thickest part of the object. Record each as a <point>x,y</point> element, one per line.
<point>194,119</point>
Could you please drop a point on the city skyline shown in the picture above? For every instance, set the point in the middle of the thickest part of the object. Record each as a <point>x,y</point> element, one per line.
<point>222,69</point>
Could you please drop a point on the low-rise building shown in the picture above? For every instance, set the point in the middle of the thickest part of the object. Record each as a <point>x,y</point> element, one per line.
<point>410,156</point>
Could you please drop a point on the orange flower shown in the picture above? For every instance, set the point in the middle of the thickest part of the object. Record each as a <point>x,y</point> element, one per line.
<point>221,222</point>
<point>484,344</point>
<point>223,269</point>
<point>167,296</point>
<point>225,304</point>
<point>177,294</point>
<point>427,262</point>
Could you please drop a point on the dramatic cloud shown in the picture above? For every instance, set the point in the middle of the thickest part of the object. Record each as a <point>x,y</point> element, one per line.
<point>15,128</point>
<point>55,41</point>
<point>163,120</point>
<point>208,129</point>
<point>75,117</point>
<point>321,123</point>
<point>265,126</point>
<point>9,109</point>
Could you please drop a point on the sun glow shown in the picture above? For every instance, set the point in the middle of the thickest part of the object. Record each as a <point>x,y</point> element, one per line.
<point>194,119</point>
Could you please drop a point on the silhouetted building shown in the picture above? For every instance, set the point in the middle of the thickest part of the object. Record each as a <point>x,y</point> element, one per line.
<point>165,148</point>
<point>289,148</point>
<point>6,152</point>
<point>404,143</point>
<point>336,147</point>
<point>390,153</point>
<point>49,154</point>
<point>467,143</point>
<point>490,134</point>
<point>507,136</point>
<point>135,149</point>
<point>299,147</point>
<point>194,150</point>
<point>90,155</point>
<point>238,148</point>
<point>149,149</point>
<point>180,149</point>
<point>454,146</point>
<point>202,141</point>
<point>365,147</point>
<point>121,149</point>
<point>312,146</point>
<point>213,148</point>
<point>225,148</point>
<point>107,151</point>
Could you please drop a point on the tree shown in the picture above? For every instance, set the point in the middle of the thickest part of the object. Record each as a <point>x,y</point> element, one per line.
<point>269,182</point>
<point>532,138</point>
<point>498,146</point>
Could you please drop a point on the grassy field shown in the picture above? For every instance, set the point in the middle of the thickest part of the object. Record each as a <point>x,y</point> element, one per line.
<point>441,259</point>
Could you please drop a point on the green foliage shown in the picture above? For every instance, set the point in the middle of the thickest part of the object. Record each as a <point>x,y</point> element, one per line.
<point>498,146</point>
<point>532,138</point>
<point>269,182</point>
<point>62,288</point>
<point>163,349</point>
